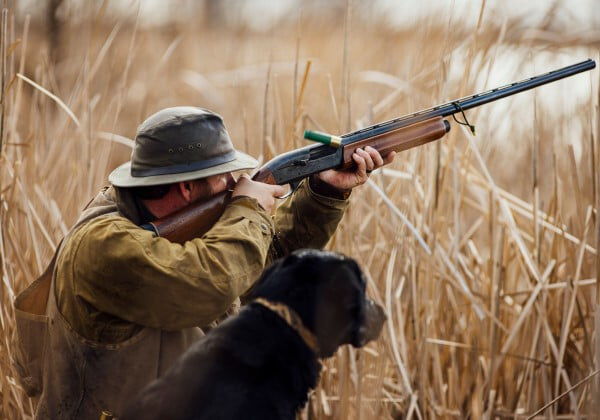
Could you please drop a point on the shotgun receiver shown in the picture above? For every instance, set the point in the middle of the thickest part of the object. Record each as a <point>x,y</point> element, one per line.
<point>395,135</point>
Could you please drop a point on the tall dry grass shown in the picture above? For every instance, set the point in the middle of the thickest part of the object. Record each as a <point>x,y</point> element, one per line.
<point>491,295</point>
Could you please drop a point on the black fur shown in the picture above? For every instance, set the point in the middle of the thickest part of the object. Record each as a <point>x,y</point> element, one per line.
<point>254,366</point>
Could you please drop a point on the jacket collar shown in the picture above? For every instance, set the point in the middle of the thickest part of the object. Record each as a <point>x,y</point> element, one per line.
<point>115,200</point>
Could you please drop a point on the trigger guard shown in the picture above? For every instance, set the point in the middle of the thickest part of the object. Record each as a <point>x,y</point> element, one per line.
<point>293,187</point>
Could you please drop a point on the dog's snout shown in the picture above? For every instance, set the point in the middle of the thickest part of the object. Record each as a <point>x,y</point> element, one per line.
<point>373,323</point>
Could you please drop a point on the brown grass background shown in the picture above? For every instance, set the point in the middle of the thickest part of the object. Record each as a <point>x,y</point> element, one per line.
<point>495,322</point>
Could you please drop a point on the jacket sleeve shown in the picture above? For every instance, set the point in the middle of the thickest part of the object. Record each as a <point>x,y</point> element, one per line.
<point>307,219</point>
<point>129,273</point>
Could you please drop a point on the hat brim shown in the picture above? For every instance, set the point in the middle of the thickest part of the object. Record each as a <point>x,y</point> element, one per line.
<point>121,176</point>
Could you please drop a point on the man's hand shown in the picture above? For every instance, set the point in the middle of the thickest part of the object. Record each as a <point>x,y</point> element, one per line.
<point>366,161</point>
<point>265,194</point>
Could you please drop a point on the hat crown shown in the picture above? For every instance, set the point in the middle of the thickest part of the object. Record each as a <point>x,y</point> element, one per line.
<point>178,140</point>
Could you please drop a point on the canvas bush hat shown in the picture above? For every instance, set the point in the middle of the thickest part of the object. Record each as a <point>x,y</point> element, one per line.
<point>180,144</point>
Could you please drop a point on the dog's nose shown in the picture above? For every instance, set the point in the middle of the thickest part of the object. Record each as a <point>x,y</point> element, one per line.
<point>373,323</point>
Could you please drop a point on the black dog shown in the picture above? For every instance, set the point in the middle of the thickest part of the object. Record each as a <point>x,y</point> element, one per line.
<point>258,365</point>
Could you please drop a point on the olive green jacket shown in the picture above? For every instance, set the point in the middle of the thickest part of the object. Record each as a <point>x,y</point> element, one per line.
<point>113,278</point>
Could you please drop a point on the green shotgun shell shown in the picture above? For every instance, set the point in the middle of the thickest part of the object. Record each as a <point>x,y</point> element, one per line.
<point>328,139</point>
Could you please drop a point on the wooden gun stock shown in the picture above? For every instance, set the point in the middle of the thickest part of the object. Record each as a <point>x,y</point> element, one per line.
<point>401,139</point>
<point>192,221</point>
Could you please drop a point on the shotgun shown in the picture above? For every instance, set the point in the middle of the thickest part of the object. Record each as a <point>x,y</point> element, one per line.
<point>394,135</point>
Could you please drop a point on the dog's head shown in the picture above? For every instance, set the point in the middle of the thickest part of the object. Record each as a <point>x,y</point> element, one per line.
<point>327,290</point>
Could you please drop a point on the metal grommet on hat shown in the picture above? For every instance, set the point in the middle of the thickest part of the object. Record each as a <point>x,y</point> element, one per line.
<point>180,144</point>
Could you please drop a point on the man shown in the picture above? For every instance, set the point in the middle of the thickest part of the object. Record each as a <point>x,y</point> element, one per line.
<point>123,303</point>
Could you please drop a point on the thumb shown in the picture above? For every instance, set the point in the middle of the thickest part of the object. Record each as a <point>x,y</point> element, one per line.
<point>243,178</point>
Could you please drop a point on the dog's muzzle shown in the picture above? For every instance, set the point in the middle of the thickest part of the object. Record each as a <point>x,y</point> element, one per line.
<point>374,317</point>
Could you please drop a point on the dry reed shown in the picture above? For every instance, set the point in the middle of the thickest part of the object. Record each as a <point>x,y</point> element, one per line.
<point>483,250</point>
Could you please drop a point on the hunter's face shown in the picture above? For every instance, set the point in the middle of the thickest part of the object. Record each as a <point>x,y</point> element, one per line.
<point>219,183</point>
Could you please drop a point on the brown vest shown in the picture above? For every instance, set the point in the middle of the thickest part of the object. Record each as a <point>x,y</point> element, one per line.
<point>76,378</point>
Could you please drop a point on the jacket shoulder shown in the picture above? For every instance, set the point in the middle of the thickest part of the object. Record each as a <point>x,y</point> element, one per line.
<point>102,226</point>
<point>95,234</point>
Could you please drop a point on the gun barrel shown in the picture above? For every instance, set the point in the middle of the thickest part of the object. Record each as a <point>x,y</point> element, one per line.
<point>469,101</point>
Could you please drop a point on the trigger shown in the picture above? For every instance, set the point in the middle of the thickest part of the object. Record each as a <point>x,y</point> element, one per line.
<point>293,187</point>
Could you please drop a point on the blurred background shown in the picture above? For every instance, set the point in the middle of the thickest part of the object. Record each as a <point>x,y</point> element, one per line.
<point>483,249</point>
